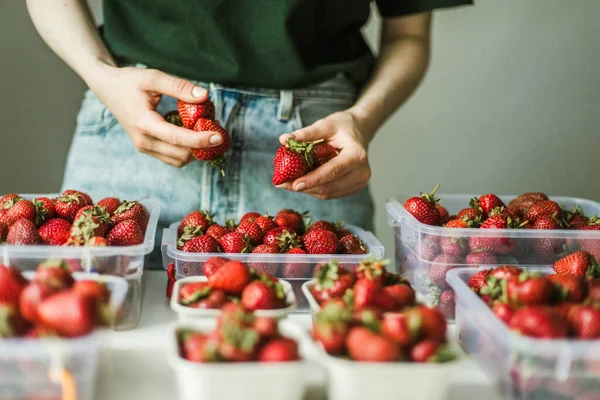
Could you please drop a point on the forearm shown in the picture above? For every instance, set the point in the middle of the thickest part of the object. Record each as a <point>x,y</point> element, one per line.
<point>400,67</point>
<point>69,30</point>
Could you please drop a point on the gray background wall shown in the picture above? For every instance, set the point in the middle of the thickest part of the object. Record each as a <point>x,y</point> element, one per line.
<point>511,103</point>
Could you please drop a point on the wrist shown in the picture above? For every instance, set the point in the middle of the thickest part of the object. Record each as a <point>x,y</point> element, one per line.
<point>98,71</point>
<point>367,125</point>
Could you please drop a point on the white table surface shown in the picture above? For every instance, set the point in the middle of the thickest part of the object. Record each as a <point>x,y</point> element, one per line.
<point>133,364</point>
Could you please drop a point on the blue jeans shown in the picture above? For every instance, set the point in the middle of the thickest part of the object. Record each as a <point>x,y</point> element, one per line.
<point>103,161</point>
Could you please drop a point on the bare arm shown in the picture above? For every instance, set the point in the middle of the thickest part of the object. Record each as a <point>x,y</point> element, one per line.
<point>402,62</point>
<point>131,94</point>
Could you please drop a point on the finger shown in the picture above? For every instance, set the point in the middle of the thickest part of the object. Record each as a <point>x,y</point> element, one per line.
<point>331,170</point>
<point>348,191</point>
<point>157,81</point>
<point>350,179</point>
<point>316,131</point>
<point>155,125</point>
<point>167,149</point>
<point>177,163</point>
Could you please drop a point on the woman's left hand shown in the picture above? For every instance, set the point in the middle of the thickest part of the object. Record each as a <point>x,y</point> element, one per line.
<point>345,174</point>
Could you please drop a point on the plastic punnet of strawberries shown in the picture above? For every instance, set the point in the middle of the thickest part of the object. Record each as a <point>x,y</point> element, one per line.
<point>239,337</point>
<point>51,304</point>
<point>562,305</point>
<point>72,219</point>
<point>288,232</point>
<point>231,281</point>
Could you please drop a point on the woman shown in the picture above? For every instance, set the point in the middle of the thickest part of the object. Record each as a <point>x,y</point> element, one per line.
<point>271,67</point>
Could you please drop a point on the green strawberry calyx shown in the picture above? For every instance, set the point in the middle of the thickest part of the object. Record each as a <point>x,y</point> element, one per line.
<point>196,296</point>
<point>327,274</point>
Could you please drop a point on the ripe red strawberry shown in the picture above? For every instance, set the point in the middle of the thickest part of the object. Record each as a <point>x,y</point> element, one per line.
<point>352,244</point>
<point>68,313</point>
<point>19,208</point>
<point>572,288</point>
<point>215,300</point>
<point>278,350</point>
<point>366,292</point>
<point>235,242</point>
<point>504,312</point>
<point>331,327</point>
<point>44,210</point>
<point>263,295</point>
<point>396,327</point>
<point>427,250</point>
<point>291,219</point>
<point>266,249</point>
<point>95,290</point>
<point>55,231</point>
<point>295,269</point>
<point>23,232</point>
<point>457,246</point>
<point>444,216</point>
<point>402,294</point>
<point>332,281</point>
<point>90,221</point>
<point>585,322</point>
<point>505,272</point>
<point>249,216</point>
<point>67,205</point>
<point>3,232</point>
<point>469,213</point>
<point>440,266</point>
<point>481,258</point>
<point>284,237</point>
<point>193,292</point>
<point>447,303</point>
<point>97,241</point>
<point>431,351</point>
<point>423,208</point>
<point>12,323</point>
<point>217,231</point>
<point>126,233</point>
<point>252,230</point>
<point>190,113</point>
<point>320,242</point>
<point>12,284</point>
<point>237,343</point>
<point>529,289</point>
<point>499,245</point>
<point>231,277</point>
<point>365,345</point>
<point>85,196</point>
<point>132,210</point>
<point>371,269</point>
<point>213,155</point>
<point>540,322</point>
<point>321,153</point>
<point>546,222</point>
<point>428,322</point>
<point>295,159</point>
<point>479,280</point>
<point>110,204</point>
<point>322,224</point>
<point>545,207</point>
<point>54,273</point>
<point>487,203</point>
<point>211,265</point>
<point>578,263</point>
<point>537,196</point>
<point>265,223</point>
<point>592,246</point>
<point>202,244</point>
<point>197,347</point>
<point>456,223</point>
<point>269,268</point>
<point>32,296</point>
<point>197,219</point>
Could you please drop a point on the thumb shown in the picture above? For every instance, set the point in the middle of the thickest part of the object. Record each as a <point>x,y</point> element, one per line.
<point>308,134</point>
<point>157,81</point>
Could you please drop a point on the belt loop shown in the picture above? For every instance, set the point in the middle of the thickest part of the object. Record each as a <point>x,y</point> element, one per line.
<point>286,104</point>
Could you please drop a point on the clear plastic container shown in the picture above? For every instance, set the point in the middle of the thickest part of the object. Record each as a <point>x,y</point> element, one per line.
<point>523,368</point>
<point>417,244</point>
<point>294,268</point>
<point>29,367</point>
<point>126,262</point>
<point>192,314</point>
<point>248,381</point>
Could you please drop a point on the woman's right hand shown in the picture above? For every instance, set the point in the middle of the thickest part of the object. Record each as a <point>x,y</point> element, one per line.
<point>132,95</point>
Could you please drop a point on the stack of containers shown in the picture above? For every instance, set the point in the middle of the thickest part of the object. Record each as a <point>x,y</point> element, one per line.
<point>126,262</point>
<point>190,264</point>
<point>517,246</point>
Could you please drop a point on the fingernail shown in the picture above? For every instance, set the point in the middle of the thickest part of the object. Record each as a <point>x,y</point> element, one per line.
<point>215,139</point>
<point>198,92</point>
<point>300,186</point>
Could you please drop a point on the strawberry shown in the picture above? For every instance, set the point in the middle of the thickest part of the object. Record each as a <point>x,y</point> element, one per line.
<point>265,223</point>
<point>67,205</point>
<point>469,213</point>
<point>90,221</point>
<point>202,244</point>
<point>291,219</point>
<point>197,347</point>
<point>126,233</point>
<point>320,242</point>
<point>365,345</point>
<point>97,241</point>
<point>440,266</point>
<point>54,273</point>
<point>366,292</point>
<point>444,216</point>
<point>546,222</point>
<point>504,312</point>
<point>278,350</point>
<point>249,216</point>
<point>110,204</point>
<point>263,295</point>
<point>19,208</point>
<point>252,230</point>
<point>427,250</point>
<point>3,232</point>
<point>265,267</point>
<point>283,237</point>
<point>505,272</point>
<point>528,289</point>
<point>499,245</point>
<point>371,269</point>
<point>12,284</point>
<point>540,322</point>
<point>487,203</point>
<point>55,231</point>
<point>93,289</point>
<point>132,210</point>
<point>213,155</point>
<point>322,224</point>
<point>431,351</point>
<point>423,208</point>
<point>32,296</point>
<point>447,303</point>
<point>216,299</point>
<point>592,246</point>
<point>395,326</point>
<point>85,196</point>
<point>292,161</point>
<point>231,277</point>
<point>23,232</point>
<point>352,244</point>
<point>321,153</point>
<point>211,265</point>
<point>457,246</point>
<point>572,288</point>
<point>197,219</point>
<point>585,322</point>
<point>330,327</point>
<point>536,196</point>
<point>265,326</point>
<point>44,210</point>
<point>481,258</point>
<point>332,281</point>
<point>456,223</point>
<point>341,232</point>
<point>578,263</point>
<point>217,231</point>
<point>402,294</point>
<point>238,343</point>
<point>190,113</point>
<point>68,313</point>
<point>295,269</point>
<point>235,242</point>
<point>192,292</point>
<point>266,249</point>
<point>12,323</point>
<point>479,280</point>
<point>429,323</point>
<point>545,207</point>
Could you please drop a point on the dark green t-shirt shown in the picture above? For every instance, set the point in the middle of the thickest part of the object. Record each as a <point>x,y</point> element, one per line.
<point>259,43</point>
